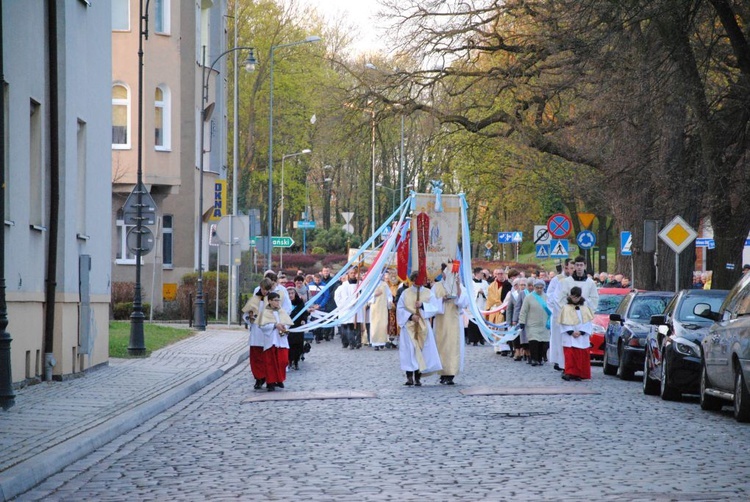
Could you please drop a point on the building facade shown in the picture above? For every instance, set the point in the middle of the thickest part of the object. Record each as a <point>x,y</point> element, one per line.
<point>171,96</point>
<point>56,72</point>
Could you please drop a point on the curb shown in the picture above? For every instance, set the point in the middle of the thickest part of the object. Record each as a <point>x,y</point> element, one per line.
<point>33,471</point>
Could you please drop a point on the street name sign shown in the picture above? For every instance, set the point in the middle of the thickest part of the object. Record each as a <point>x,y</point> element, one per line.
<point>308,224</point>
<point>282,242</point>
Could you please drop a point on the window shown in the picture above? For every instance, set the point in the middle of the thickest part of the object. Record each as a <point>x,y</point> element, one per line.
<point>81,188</point>
<point>120,15</point>
<point>123,257</point>
<point>167,241</point>
<point>120,117</point>
<point>162,118</point>
<point>36,167</point>
<point>161,16</point>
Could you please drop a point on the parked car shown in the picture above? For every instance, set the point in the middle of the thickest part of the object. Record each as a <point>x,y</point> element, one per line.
<point>625,338</point>
<point>609,300</point>
<point>672,364</point>
<point>725,374</point>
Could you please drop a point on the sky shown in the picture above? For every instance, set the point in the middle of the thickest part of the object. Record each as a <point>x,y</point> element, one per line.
<point>361,13</point>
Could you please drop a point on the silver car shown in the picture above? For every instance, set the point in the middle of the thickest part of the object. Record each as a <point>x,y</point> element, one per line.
<point>726,354</point>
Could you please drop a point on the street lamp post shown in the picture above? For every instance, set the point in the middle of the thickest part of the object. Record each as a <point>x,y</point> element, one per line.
<point>281,219</point>
<point>310,39</point>
<point>7,396</point>
<point>206,110</point>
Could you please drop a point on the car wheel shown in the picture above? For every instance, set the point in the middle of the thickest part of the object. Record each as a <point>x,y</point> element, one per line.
<point>607,368</point>
<point>741,398</point>
<point>708,402</point>
<point>666,391</point>
<point>623,372</point>
<point>650,388</point>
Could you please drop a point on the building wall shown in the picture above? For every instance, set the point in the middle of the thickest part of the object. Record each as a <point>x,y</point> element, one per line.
<point>172,177</point>
<point>83,43</point>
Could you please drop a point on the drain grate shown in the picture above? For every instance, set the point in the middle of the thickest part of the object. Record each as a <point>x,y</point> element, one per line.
<point>515,414</point>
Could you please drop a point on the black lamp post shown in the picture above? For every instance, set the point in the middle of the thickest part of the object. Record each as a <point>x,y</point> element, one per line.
<point>7,396</point>
<point>206,110</point>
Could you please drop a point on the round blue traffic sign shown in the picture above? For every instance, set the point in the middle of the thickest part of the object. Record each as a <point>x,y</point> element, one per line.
<point>586,239</point>
<point>559,226</point>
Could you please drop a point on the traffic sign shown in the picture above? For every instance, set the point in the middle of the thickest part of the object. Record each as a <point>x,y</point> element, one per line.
<point>559,226</point>
<point>517,237</point>
<point>586,219</point>
<point>705,243</point>
<point>559,249</point>
<point>678,234</point>
<point>488,245</point>
<point>282,242</point>
<point>505,237</point>
<point>148,207</point>
<point>230,225</point>
<point>305,224</point>
<point>586,239</point>
<point>626,243</point>
<point>147,240</point>
<point>541,234</point>
<point>542,250</point>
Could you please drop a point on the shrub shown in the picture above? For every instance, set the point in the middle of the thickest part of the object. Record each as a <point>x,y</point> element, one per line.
<point>122,310</point>
<point>186,293</point>
<point>122,292</point>
<point>296,261</point>
<point>318,250</point>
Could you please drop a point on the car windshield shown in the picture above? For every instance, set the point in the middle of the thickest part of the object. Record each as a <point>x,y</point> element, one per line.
<point>688,305</point>
<point>643,307</point>
<point>608,303</point>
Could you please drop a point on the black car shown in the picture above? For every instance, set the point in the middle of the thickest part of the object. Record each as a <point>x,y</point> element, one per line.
<point>672,365</point>
<point>625,338</point>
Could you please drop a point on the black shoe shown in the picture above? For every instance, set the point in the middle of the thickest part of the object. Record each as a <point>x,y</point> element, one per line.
<point>417,384</point>
<point>565,377</point>
<point>280,385</point>
<point>296,366</point>
<point>575,378</point>
<point>442,380</point>
<point>409,382</point>
<point>377,348</point>
<point>450,382</point>
<point>557,367</point>
<point>270,387</point>
<point>516,358</point>
<point>258,384</point>
<point>534,363</point>
<point>345,346</point>
<point>475,344</point>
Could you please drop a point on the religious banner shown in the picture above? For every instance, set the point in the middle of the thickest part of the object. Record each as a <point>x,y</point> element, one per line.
<point>443,232</point>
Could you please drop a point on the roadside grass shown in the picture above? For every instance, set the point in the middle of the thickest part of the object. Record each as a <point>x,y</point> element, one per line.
<point>155,337</point>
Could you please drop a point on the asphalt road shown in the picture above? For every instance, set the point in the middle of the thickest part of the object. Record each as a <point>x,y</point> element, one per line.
<point>427,443</point>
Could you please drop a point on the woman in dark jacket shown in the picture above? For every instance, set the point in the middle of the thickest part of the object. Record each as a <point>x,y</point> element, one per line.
<point>296,340</point>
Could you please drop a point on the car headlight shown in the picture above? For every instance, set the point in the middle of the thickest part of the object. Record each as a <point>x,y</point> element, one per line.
<point>686,347</point>
<point>599,330</point>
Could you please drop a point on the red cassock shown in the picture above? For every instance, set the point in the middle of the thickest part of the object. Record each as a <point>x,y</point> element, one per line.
<point>577,362</point>
<point>257,362</point>
<point>276,360</point>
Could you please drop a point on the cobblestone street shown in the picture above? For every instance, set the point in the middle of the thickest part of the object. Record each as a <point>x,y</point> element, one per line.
<point>428,443</point>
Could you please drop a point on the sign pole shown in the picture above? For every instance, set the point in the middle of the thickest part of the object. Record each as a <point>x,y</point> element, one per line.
<point>676,272</point>
<point>632,271</point>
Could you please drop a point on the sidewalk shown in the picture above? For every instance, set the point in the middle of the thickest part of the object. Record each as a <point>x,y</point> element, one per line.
<point>53,424</point>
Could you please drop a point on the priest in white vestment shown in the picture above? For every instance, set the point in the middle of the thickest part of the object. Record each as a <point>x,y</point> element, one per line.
<point>418,352</point>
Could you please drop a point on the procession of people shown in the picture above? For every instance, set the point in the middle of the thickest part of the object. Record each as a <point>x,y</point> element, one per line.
<point>546,321</point>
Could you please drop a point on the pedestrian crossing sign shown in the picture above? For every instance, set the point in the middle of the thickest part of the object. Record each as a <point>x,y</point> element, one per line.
<point>558,248</point>
<point>626,243</point>
<point>542,250</point>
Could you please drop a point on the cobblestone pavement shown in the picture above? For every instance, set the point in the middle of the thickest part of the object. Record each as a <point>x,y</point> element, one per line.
<point>427,443</point>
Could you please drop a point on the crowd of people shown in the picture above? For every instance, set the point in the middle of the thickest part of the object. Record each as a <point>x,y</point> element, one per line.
<point>548,313</point>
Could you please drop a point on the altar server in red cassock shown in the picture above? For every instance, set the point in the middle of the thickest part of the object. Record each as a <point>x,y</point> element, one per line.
<point>274,323</point>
